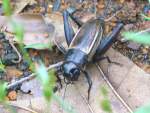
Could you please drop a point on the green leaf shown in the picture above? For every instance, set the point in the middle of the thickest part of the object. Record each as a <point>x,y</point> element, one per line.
<point>47,91</point>
<point>38,46</point>
<point>104,91</point>
<point>66,107</point>
<point>145,17</point>
<point>144,109</point>
<point>2,66</point>
<point>105,104</point>
<point>139,38</point>
<point>42,74</point>
<point>7,7</point>
<point>19,32</point>
<point>47,81</point>
<point>2,91</point>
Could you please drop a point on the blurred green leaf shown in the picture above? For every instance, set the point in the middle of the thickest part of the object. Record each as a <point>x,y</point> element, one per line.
<point>144,109</point>
<point>104,91</point>
<point>105,104</point>
<point>46,80</point>
<point>66,107</point>
<point>2,66</point>
<point>145,17</point>
<point>19,32</point>
<point>42,74</point>
<point>7,7</point>
<point>47,91</point>
<point>139,38</point>
<point>2,91</point>
<point>38,46</point>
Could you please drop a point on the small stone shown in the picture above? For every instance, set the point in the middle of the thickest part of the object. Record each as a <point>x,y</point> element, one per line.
<point>2,36</point>
<point>33,87</point>
<point>24,65</point>
<point>128,27</point>
<point>145,50</point>
<point>6,45</point>
<point>7,59</point>
<point>26,73</point>
<point>133,45</point>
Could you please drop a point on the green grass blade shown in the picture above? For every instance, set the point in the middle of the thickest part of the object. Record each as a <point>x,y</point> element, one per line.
<point>139,38</point>
<point>7,7</point>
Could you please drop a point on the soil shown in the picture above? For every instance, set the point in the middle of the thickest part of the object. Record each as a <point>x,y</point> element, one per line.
<point>129,12</point>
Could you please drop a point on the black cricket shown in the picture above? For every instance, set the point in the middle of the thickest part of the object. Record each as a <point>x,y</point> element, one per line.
<point>86,46</point>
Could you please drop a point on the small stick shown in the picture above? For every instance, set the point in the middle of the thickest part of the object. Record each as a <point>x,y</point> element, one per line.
<point>31,76</point>
<point>110,18</point>
<point>4,29</point>
<point>143,31</point>
<point>18,53</point>
<point>21,107</point>
<point>113,89</point>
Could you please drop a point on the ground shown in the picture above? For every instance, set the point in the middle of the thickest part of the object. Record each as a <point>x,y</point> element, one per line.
<point>131,80</point>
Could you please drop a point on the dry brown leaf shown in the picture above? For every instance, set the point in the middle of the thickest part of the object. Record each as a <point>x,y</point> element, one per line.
<point>13,72</point>
<point>12,95</point>
<point>35,29</point>
<point>122,1</point>
<point>21,4</point>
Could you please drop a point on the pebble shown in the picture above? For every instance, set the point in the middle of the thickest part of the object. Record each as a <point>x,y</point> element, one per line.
<point>24,66</point>
<point>6,45</point>
<point>134,46</point>
<point>128,27</point>
<point>2,36</point>
<point>26,73</point>
<point>145,51</point>
<point>7,58</point>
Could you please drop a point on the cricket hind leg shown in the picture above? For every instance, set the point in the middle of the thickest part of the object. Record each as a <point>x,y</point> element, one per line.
<point>96,59</point>
<point>69,33</point>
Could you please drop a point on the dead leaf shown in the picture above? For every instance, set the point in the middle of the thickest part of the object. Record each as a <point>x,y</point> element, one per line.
<point>21,4</point>
<point>13,72</point>
<point>12,95</point>
<point>32,86</point>
<point>122,1</point>
<point>35,29</point>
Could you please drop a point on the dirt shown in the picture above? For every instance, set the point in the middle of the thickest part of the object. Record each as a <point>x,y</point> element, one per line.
<point>129,12</point>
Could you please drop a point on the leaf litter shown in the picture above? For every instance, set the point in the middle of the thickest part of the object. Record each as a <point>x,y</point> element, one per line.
<point>51,25</point>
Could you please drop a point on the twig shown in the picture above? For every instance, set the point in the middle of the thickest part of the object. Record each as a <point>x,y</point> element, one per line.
<point>143,31</point>
<point>31,76</point>
<point>18,53</point>
<point>21,107</point>
<point>108,19</point>
<point>113,89</point>
<point>4,29</point>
